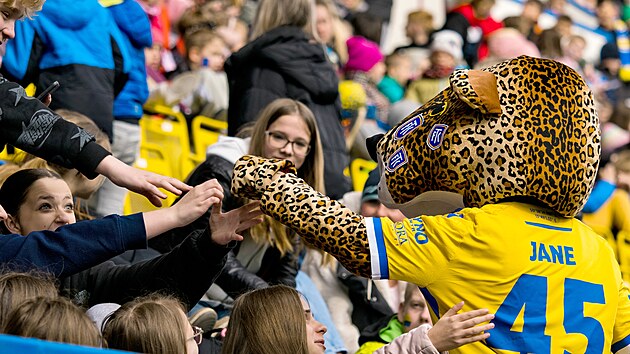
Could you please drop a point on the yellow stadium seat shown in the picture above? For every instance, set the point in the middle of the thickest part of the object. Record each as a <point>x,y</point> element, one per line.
<point>205,132</point>
<point>152,158</point>
<point>171,134</point>
<point>359,171</point>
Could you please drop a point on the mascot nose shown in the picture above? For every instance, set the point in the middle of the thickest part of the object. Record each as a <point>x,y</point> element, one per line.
<point>371,143</point>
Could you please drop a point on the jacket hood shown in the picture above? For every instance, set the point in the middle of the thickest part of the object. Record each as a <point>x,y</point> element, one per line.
<point>72,14</point>
<point>288,51</point>
<point>229,148</point>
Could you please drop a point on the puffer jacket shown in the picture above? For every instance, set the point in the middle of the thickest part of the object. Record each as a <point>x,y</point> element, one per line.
<point>283,63</point>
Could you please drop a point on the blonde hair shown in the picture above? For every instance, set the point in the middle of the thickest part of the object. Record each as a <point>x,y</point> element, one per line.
<point>275,13</point>
<point>22,8</point>
<point>312,170</point>
<point>53,319</point>
<point>267,321</point>
<point>151,324</point>
<point>17,287</point>
<point>341,31</point>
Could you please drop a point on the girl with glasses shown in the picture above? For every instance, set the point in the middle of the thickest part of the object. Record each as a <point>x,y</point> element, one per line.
<point>285,129</point>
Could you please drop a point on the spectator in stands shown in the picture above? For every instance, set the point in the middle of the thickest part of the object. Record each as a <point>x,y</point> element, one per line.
<point>617,32</point>
<point>285,129</point>
<point>153,324</point>
<point>366,66</point>
<point>135,30</point>
<point>333,32</point>
<point>508,42</point>
<point>78,44</point>
<point>473,22</point>
<point>399,72</point>
<point>532,9</point>
<point>290,327</point>
<point>17,287</point>
<point>272,66</point>
<point>39,200</point>
<point>446,56</point>
<point>413,311</point>
<point>52,319</point>
<point>418,30</point>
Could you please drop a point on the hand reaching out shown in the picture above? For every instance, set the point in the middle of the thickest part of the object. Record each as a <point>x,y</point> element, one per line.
<point>226,227</point>
<point>139,181</point>
<point>454,330</point>
<point>192,205</point>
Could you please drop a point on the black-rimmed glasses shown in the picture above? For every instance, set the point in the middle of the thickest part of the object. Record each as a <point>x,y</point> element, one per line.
<point>279,141</point>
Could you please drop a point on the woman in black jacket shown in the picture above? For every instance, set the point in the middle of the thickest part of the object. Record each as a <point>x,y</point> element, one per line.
<point>286,129</point>
<point>283,59</point>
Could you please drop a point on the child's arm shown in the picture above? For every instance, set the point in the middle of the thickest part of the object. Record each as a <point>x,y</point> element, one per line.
<point>454,330</point>
<point>139,181</point>
<point>194,204</point>
<point>28,124</point>
<point>450,332</point>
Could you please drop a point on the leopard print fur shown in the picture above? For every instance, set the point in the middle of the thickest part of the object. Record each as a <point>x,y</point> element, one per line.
<point>543,145</point>
<point>252,175</point>
<point>321,222</point>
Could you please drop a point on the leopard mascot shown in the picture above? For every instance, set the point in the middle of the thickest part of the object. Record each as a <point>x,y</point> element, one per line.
<point>516,144</point>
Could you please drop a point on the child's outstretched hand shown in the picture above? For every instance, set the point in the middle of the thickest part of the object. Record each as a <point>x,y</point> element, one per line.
<point>454,330</point>
<point>139,181</point>
<point>226,227</point>
<point>192,205</point>
<point>196,202</point>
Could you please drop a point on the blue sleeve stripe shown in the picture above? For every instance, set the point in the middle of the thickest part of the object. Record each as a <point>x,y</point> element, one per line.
<point>624,343</point>
<point>549,227</point>
<point>378,252</point>
<point>428,297</point>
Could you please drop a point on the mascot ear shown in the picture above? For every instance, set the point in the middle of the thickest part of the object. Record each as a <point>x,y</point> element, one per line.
<point>478,89</point>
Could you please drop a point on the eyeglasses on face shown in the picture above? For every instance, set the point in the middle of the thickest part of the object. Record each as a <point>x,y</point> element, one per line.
<point>278,141</point>
<point>198,335</point>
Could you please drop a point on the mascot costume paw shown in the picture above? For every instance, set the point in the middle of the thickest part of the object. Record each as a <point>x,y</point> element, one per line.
<point>517,145</point>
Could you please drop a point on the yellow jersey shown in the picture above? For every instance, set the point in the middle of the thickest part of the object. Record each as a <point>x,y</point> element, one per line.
<point>553,284</point>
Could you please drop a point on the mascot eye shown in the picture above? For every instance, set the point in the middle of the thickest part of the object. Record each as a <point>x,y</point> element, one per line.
<point>437,109</point>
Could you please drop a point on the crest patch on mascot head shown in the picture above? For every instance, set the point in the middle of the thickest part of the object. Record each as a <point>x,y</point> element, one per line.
<point>526,127</point>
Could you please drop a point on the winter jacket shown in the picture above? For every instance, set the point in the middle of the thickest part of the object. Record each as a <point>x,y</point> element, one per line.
<point>186,272</point>
<point>28,124</point>
<point>73,248</point>
<point>134,24</point>
<point>284,63</point>
<point>235,278</point>
<point>78,44</point>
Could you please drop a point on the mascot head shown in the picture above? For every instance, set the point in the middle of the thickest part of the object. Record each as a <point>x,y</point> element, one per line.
<point>525,128</point>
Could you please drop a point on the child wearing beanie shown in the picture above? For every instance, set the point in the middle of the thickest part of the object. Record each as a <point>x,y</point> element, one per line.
<point>366,66</point>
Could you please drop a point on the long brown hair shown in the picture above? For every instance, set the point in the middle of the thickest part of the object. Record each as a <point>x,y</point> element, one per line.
<point>53,319</point>
<point>267,321</point>
<point>17,287</point>
<point>151,324</point>
<point>312,170</point>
